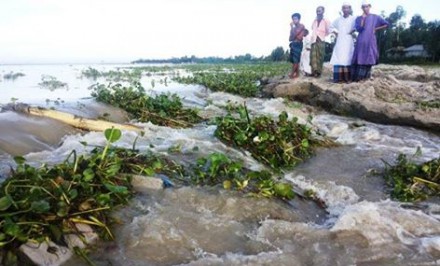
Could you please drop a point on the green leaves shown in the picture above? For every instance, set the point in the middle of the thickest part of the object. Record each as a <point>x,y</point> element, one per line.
<point>163,109</point>
<point>40,206</point>
<point>19,160</point>
<point>412,182</point>
<point>237,79</point>
<point>112,134</point>
<point>5,203</point>
<point>278,144</point>
<point>218,169</point>
<point>284,190</point>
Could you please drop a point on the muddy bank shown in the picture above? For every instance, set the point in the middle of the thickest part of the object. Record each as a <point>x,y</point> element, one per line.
<point>398,95</point>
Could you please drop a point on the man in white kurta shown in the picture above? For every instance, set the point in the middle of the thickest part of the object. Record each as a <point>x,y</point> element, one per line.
<point>305,55</point>
<point>343,28</point>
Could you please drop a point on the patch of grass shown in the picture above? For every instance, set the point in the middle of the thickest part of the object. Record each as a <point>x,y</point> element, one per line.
<point>163,109</point>
<point>429,104</point>
<point>413,182</point>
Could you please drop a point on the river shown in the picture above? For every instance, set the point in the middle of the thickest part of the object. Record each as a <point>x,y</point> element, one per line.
<point>202,226</point>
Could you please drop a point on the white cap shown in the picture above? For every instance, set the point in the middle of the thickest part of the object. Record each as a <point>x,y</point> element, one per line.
<point>366,3</point>
<point>346,4</point>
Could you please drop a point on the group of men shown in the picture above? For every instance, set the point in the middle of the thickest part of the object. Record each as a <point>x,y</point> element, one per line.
<point>352,57</point>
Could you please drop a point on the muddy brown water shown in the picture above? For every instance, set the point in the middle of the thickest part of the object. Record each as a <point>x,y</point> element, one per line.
<point>204,226</point>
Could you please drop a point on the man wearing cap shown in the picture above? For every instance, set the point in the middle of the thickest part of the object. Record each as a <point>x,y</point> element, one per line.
<point>366,53</point>
<point>320,29</point>
<point>343,28</point>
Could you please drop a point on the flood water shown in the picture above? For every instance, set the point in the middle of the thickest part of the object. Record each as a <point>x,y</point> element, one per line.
<point>203,226</point>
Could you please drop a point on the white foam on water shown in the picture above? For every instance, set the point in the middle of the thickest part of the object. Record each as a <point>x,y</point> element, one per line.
<point>335,197</point>
<point>258,106</point>
<point>193,141</point>
<point>383,138</point>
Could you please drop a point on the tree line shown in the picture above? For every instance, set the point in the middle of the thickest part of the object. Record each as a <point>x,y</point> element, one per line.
<point>391,42</point>
<point>399,35</point>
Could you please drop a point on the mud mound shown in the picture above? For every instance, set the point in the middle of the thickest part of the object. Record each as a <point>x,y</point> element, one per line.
<point>404,72</point>
<point>384,99</point>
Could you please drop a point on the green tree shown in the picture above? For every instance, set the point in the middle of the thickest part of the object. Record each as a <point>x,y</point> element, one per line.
<point>390,37</point>
<point>416,33</point>
<point>277,54</point>
<point>433,40</point>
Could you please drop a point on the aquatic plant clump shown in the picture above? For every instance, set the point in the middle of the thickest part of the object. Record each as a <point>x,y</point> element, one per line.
<point>413,182</point>
<point>244,84</point>
<point>244,80</point>
<point>51,83</point>
<point>41,204</point>
<point>13,76</point>
<point>217,169</point>
<point>278,144</point>
<point>129,75</point>
<point>163,109</point>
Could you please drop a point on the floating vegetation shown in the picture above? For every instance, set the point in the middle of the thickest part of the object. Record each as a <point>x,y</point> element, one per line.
<point>51,83</point>
<point>243,80</point>
<point>278,144</point>
<point>119,75</point>
<point>13,76</point>
<point>217,169</point>
<point>44,204</point>
<point>41,204</point>
<point>37,204</point>
<point>413,182</point>
<point>245,84</point>
<point>163,109</point>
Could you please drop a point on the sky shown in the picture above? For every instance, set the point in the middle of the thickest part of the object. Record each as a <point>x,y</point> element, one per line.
<point>118,31</point>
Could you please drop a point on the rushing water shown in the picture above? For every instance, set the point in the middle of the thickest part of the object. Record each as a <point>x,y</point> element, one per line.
<point>200,226</point>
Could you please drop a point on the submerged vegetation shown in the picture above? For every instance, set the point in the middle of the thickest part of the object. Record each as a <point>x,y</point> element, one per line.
<point>413,182</point>
<point>163,109</point>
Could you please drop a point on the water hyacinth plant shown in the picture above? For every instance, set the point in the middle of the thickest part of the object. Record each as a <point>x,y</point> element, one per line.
<point>51,83</point>
<point>217,168</point>
<point>278,144</point>
<point>163,109</point>
<point>244,80</point>
<point>413,182</point>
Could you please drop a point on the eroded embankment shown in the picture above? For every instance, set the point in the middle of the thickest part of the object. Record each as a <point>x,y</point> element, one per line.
<point>399,95</point>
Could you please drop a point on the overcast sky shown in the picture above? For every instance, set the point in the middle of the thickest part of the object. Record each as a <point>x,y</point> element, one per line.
<point>75,31</point>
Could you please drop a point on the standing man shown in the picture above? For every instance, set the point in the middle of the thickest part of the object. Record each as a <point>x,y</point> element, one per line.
<point>366,53</point>
<point>296,43</point>
<point>343,28</point>
<point>305,55</point>
<point>320,29</point>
